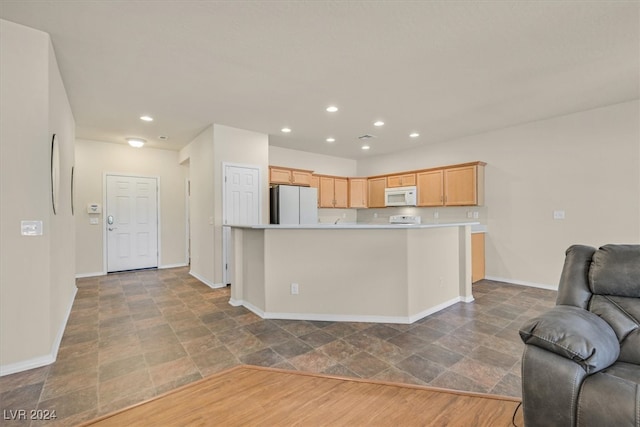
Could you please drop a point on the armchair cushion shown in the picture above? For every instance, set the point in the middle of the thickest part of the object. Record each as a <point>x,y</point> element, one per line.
<point>575,334</point>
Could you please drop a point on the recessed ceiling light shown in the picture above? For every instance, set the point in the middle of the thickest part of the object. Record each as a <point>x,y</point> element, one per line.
<point>379,123</point>
<point>331,140</point>
<point>365,147</point>
<point>414,135</point>
<point>332,108</point>
<point>146,118</point>
<point>285,130</point>
<point>136,142</point>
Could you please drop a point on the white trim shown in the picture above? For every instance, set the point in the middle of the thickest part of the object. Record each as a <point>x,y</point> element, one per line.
<point>522,283</point>
<point>344,317</point>
<point>45,360</point>
<point>97,273</point>
<point>104,214</point>
<point>206,282</point>
<point>187,218</point>
<point>180,264</point>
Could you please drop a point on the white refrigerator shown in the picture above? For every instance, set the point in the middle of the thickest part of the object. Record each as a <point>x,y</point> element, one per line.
<point>294,205</point>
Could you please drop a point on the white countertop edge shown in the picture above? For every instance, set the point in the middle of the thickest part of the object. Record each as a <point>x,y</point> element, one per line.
<point>353,226</point>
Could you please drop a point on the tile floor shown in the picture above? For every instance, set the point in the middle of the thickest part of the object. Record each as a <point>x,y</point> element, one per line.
<point>132,336</point>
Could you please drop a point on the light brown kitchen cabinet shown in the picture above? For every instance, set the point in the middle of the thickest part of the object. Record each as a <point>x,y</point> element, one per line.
<point>315,183</point>
<point>334,192</point>
<point>430,188</point>
<point>403,180</point>
<point>289,176</point>
<point>477,257</point>
<point>375,192</point>
<point>358,192</point>
<point>464,186</point>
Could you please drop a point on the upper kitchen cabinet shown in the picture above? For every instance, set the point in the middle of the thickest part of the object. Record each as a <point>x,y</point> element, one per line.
<point>376,192</point>
<point>456,185</point>
<point>430,188</point>
<point>464,185</point>
<point>334,192</point>
<point>315,183</point>
<point>403,180</point>
<point>358,192</point>
<point>289,176</point>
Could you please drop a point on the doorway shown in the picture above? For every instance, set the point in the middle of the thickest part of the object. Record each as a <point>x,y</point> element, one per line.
<point>241,205</point>
<point>131,221</point>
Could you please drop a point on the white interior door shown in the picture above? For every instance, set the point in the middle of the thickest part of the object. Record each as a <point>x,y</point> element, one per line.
<point>241,205</point>
<point>131,218</point>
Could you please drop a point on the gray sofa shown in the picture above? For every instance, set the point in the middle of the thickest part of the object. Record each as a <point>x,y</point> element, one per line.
<point>581,362</point>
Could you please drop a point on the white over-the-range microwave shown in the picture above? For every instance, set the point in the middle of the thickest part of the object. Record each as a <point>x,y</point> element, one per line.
<point>400,196</point>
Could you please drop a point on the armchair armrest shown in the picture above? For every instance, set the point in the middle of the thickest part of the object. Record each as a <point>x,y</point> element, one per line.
<point>574,334</point>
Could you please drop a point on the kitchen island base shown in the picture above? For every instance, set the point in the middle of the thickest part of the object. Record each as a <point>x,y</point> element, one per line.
<point>357,274</point>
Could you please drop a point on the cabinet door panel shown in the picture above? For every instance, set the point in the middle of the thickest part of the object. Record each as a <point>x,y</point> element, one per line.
<point>301,178</point>
<point>357,193</point>
<point>326,192</point>
<point>430,190</point>
<point>341,192</point>
<point>376,192</point>
<point>460,186</point>
<point>279,176</point>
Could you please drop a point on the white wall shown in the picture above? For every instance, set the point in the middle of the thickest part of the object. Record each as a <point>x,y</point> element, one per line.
<point>199,156</point>
<point>586,164</point>
<point>319,163</point>
<point>94,159</point>
<point>37,285</point>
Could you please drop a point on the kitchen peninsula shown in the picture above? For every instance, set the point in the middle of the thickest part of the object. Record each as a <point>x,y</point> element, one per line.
<point>350,272</point>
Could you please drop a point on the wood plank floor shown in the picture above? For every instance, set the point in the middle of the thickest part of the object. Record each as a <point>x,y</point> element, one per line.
<point>256,396</point>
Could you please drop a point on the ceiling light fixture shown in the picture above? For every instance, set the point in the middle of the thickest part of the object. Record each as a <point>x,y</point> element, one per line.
<point>163,137</point>
<point>332,108</point>
<point>146,118</point>
<point>365,147</point>
<point>414,135</point>
<point>136,142</point>
<point>285,130</point>
<point>379,123</point>
<point>331,140</point>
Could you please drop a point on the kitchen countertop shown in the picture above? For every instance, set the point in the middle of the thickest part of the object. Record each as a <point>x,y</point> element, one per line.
<point>358,226</point>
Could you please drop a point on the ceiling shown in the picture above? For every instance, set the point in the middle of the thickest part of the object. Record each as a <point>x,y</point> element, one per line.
<point>444,69</point>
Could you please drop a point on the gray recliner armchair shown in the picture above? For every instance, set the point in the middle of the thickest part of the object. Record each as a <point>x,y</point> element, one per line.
<point>581,362</point>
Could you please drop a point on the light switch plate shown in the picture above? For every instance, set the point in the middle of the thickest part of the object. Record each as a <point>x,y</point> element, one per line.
<point>31,228</point>
<point>94,221</point>
<point>558,214</point>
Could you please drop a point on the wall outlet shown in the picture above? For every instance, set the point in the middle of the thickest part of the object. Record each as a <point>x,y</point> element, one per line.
<point>375,215</point>
<point>295,288</point>
<point>476,215</point>
<point>436,215</point>
<point>469,214</point>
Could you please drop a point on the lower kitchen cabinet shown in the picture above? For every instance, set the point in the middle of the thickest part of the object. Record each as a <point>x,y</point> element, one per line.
<point>477,257</point>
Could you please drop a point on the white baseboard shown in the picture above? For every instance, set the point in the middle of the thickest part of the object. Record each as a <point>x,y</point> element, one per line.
<point>207,282</point>
<point>343,317</point>
<point>523,283</point>
<point>96,274</point>
<point>47,359</point>
<point>162,267</point>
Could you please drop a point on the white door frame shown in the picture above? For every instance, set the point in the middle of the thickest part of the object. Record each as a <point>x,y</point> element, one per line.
<point>226,231</point>
<point>104,210</point>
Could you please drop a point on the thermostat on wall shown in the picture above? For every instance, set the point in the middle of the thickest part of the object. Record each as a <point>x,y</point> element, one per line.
<point>94,208</point>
